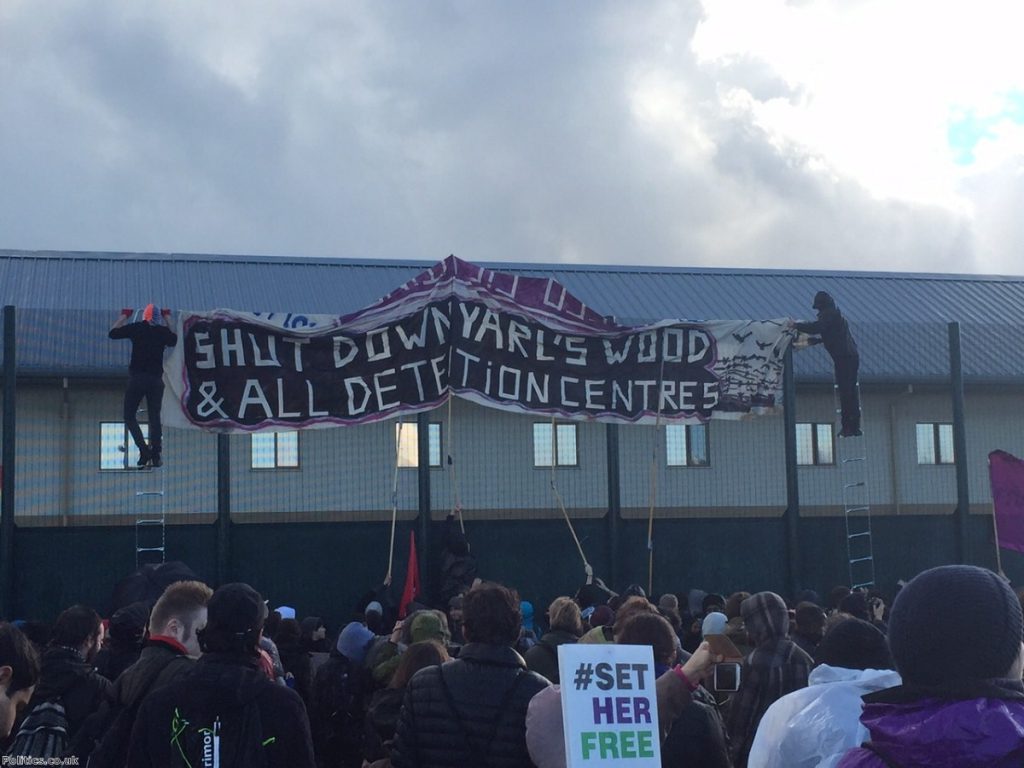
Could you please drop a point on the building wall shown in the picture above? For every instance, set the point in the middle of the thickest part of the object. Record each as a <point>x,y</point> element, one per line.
<point>348,474</point>
<point>717,528</point>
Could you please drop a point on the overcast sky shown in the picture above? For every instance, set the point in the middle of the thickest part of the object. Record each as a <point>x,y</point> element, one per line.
<point>756,133</point>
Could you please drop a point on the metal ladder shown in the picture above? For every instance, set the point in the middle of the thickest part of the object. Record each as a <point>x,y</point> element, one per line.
<point>150,511</point>
<point>852,459</point>
<point>150,516</point>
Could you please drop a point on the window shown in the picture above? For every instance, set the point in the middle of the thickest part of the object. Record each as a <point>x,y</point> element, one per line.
<point>814,443</point>
<point>935,444</point>
<point>275,450</point>
<point>558,449</point>
<point>408,446</point>
<point>686,445</point>
<point>117,449</point>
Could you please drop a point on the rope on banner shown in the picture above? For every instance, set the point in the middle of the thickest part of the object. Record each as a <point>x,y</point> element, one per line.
<point>452,477</point>
<point>561,503</point>
<point>394,504</point>
<point>654,484</point>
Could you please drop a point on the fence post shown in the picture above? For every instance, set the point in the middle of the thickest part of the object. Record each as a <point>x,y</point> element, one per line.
<point>792,514</point>
<point>423,483</point>
<point>223,508</point>
<point>963,499</point>
<point>614,502</point>
<point>7,466</point>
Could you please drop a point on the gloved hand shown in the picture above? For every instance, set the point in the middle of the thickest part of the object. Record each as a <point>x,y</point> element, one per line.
<point>165,312</point>
<point>127,312</point>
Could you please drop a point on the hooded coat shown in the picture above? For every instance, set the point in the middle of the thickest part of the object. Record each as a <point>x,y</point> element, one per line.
<point>973,725</point>
<point>774,668</point>
<point>832,327</point>
<point>819,722</point>
<point>66,676</point>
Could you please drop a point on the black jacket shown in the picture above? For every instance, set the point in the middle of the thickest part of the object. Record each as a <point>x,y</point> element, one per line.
<point>148,342</point>
<point>220,685</point>
<point>834,331</point>
<point>468,712</point>
<point>543,657</point>
<point>65,675</point>
<point>110,728</point>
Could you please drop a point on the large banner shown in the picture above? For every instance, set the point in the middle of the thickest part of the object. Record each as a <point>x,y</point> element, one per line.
<point>501,340</point>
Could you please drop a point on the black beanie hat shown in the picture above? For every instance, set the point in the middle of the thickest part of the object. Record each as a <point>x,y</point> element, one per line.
<point>854,644</point>
<point>236,609</point>
<point>955,622</point>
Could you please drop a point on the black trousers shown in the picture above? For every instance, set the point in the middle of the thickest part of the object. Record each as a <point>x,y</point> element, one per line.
<point>151,387</point>
<point>847,367</point>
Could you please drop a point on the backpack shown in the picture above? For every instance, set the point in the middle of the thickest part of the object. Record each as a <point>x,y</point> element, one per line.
<point>340,702</point>
<point>105,736</point>
<point>231,738</point>
<point>44,732</point>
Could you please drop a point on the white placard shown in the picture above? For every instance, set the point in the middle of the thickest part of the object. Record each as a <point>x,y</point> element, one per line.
<point>609,706</point>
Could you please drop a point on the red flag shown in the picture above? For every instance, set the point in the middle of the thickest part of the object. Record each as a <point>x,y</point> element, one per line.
<point>1006,473</point>
<point>412,578</point>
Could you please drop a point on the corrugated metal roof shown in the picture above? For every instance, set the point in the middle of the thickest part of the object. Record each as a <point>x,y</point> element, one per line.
<point>67,300</point>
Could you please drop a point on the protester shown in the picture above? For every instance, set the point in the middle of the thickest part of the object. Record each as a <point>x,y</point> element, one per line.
<point>957,636</point>
<point>19,672</point>
<point>145,379</point>
<point>774,668</point>
<point>174,626</point>
<point>386,705</point>
<point>566,627</point>
<point>340,689</point>
<point>808,627</point>
<point>816,725</point>
<point>458,566</point>
<point>472,711</point>
<point>124,635</point>
<point>225,712</point>
<point>295,660</point>
<point>832,329</point>
<point>696,735</point>
<point>69,688</point>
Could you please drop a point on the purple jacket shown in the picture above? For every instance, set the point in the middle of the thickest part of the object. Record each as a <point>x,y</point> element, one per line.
<point>978,725</point>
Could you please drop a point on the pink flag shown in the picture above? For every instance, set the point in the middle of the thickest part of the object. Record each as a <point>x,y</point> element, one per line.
<point>1007,475</point>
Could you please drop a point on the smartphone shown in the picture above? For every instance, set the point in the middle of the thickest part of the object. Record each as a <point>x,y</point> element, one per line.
<point>727,676</point>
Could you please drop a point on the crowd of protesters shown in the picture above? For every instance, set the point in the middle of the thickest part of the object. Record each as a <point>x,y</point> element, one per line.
<point>933,680</point>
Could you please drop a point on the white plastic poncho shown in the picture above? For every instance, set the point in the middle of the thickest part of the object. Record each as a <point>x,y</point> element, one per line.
<point>813,727</point>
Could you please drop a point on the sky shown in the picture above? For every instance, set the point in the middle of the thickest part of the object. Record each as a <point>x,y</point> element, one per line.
<point>810,134</point>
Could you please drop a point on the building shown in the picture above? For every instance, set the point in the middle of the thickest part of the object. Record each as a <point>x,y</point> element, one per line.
<point>306,517</point>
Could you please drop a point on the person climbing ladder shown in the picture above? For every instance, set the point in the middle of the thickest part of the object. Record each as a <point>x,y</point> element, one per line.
<point>834,331</point>
<point>145,376</point>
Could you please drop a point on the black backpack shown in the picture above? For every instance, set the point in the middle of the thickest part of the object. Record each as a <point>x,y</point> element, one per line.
<point>234,738</point>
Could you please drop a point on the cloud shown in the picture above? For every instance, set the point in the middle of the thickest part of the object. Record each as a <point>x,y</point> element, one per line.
<point>641,133</point>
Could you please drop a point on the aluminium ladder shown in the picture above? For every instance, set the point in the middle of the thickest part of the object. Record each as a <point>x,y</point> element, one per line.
<point>851,455</point>
<point>150,516</point>
<point>149,508</point>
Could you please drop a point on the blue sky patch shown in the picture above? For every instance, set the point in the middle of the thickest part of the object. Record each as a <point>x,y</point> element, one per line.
<point>967,128</point>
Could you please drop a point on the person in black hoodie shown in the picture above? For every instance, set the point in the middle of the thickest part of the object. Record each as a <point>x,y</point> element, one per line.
<point>67,673</point>
<point>225,711</point>
<point>145,377</point>
<point>834,332</point>
<point>167,656</point>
